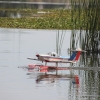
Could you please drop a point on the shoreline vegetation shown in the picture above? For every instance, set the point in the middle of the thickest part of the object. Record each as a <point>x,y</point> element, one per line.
<point>37,19</point>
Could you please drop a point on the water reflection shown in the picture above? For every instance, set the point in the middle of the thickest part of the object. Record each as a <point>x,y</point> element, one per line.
<point>89,86</point>
<point>34,4</point>
<point>4,13</point>
<point>50,74</point>
<point>90,78</point>
<point>90,60</point>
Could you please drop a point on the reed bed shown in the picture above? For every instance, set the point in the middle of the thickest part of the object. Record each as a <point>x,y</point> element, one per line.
<point>86,13</point>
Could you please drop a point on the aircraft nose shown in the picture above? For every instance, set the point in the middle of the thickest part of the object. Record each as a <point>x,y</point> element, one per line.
<point>37,55</point>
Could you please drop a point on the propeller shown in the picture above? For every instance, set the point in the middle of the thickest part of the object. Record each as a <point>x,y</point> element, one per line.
<point>37,55</point>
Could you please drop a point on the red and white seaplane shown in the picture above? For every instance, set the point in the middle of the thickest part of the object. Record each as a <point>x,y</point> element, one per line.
<point>55,58</point>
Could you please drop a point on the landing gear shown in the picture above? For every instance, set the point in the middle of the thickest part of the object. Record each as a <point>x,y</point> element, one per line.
<point>56,68</point>
<point>45,63</point>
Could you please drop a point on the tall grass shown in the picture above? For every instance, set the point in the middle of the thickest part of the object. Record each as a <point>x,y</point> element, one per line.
<point>86,13</point>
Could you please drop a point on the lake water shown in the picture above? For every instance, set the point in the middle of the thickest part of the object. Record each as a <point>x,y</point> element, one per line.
<point>17,82</point>
<point>34,4</point>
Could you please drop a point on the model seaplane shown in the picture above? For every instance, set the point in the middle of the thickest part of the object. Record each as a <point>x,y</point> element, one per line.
<point>55,58</point>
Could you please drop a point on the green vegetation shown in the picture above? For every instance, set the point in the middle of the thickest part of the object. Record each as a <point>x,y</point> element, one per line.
<point>75,18</point>
<point>37,19</point>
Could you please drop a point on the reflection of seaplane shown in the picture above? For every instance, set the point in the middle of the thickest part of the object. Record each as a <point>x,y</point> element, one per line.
<point>55,58</point>
<point>51,78</point>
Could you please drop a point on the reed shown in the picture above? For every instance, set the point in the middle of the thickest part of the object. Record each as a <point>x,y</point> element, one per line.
<point>86,13</point>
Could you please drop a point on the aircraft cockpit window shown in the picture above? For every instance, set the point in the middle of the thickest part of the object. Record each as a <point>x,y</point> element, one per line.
<point>53,54</point>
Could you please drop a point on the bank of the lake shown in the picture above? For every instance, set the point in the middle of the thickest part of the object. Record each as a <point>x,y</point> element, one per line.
<point>37,19</point>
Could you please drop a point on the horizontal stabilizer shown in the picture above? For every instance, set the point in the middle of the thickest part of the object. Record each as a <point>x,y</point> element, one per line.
<point>79,50</point>
<point>71,62</point>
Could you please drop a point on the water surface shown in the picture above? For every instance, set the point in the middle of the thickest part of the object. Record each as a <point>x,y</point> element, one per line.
<point>17,82</point>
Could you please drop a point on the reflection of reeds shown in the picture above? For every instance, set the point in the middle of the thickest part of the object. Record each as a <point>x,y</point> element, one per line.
<point>86,13</point>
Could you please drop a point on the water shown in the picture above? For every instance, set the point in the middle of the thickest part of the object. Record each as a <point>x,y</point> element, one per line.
<point>17,82</point>
<point>37,4</point>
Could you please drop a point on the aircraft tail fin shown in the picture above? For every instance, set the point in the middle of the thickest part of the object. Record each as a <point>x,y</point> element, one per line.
<point>76,54</point>
<point>73,55</point>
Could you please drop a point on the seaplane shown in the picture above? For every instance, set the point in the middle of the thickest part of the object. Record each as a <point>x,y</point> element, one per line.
<point>53,57</point>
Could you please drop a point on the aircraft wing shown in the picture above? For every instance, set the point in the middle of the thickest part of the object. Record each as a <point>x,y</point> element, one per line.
<point>32,58</point>
<point>56,60</point>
